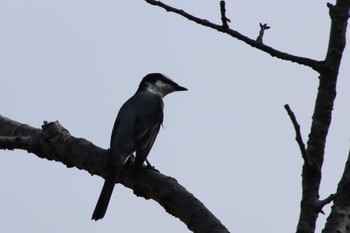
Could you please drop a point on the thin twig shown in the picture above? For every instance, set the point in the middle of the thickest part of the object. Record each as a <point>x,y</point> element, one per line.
<point>298,137</point>
<point>314,64</point>
<point>326,201</point>
<point>263,27</point>
<point>224,19</point>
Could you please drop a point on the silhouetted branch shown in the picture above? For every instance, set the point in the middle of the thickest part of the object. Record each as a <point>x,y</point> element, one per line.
<point>339,220</point>
<point>54,142</point>
<point>11,143</point>
<point>263,27</point>
<point>298,136</point>
<point>321,119</point>
<point>326,201</point>
<point>224,19</point>
<point>316,65</point>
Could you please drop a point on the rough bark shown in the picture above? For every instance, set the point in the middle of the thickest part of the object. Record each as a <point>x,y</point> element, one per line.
<point>54,142</point>
<point>339,219</point>
<point>321,119</point>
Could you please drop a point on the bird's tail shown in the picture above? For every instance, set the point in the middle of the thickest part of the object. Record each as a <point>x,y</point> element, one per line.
<point>105,196</point>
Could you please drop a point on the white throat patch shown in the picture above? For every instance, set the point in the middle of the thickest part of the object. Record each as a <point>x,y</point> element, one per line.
<point>160,88</point>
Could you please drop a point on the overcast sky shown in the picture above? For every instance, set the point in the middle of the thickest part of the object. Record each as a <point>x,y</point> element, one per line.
<point>228,140</point>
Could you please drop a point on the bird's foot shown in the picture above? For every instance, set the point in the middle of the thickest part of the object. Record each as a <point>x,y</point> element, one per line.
<point>149,166</point>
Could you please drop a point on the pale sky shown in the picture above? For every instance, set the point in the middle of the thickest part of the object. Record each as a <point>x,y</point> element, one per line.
<point>228,140</point>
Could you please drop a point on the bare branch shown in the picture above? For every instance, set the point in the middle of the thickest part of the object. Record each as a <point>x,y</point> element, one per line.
<point>324,202</point>
<point>321,120</point>
<point>298,136</point>
<point>54,142</point>
<point>11,143</point>
<point>339,218</point>
<point>224,19</point>
<point>314,64</point>
<point>263,27</point>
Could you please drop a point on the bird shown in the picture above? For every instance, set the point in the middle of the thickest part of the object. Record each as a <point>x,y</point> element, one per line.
<point>135,130</point>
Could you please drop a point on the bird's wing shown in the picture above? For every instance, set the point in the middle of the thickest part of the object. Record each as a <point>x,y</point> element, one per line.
<point>146,144</point>
<point>122,141</point>
<point>150,118</point>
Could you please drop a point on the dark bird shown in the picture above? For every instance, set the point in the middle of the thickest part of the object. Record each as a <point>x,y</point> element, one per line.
<point>135,130</point>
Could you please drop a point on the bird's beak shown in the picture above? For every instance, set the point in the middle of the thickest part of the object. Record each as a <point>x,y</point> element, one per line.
<point>180,88</point>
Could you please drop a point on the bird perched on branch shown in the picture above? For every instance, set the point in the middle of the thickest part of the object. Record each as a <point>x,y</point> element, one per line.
<point>135,130</point>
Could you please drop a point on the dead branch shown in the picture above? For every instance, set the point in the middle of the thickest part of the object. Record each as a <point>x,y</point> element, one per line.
<point>298,136</point>
<point>316,65</point>
<point>54,142</point>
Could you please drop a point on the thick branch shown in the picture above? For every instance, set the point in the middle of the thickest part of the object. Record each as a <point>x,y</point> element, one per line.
<point>339,218</point>
<point>54,142</point>
<point>321,118</point>
<point>316,65</point>
<point>11,143</point>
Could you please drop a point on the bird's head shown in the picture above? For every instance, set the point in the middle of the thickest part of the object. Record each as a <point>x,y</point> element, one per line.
<point>159,84</point>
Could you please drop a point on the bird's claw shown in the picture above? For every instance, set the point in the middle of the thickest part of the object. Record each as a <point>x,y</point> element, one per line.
<point>149,166</point>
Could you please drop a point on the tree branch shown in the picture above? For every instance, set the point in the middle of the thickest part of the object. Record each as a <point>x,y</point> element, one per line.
<point>54,142</point>
<point>263,27</point>
<point>316,65</point>
<point>11,143</point>
<point>298,136</point>
<point>339,218</point>
<point>322,116</point>
<point>224,19</point>
<point>326,201</point>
